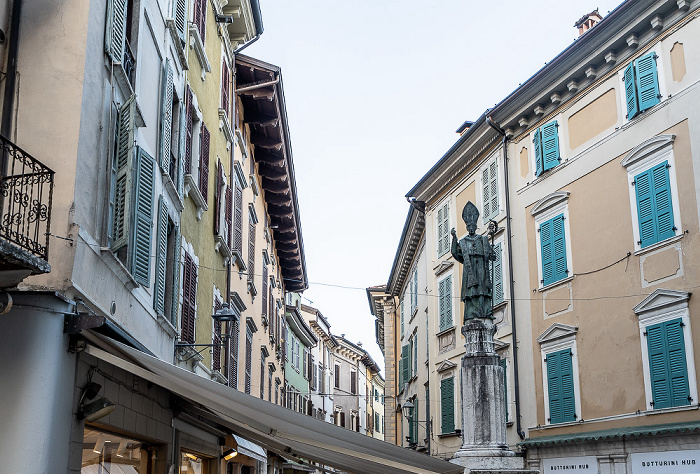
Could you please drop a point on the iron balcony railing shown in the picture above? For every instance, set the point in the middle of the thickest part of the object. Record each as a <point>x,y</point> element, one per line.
<point>129,63</point>
<point>26,190</point>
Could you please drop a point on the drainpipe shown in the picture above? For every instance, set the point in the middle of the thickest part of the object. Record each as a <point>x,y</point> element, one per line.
<point>500,131</point>
<point>11,73</point>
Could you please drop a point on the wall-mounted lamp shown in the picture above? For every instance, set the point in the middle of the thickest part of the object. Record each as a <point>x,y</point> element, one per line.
<point>229,454</point>
<point>225,314</point>
<point>96,409</point>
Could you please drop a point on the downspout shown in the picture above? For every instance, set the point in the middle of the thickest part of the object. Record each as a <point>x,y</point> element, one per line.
<point>11,73</point>
<point>500,131</point>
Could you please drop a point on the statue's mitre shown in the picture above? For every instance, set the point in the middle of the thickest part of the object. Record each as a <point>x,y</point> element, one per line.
<point>470,213</point>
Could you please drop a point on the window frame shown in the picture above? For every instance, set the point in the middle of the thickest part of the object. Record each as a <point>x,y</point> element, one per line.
<point>547,208</point>
<point>640,159</point>
<point>549,347</point>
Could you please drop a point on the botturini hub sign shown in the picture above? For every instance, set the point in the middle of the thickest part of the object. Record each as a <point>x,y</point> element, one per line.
<point>671,462</point>
<point>577,465</point>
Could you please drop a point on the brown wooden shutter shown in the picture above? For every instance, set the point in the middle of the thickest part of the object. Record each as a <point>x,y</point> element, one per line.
<point>271,311</point>
<point>218,196</point>
<point>238,220</point>
<point>189,298</point>
<point>233,355</point>
<point>264,290</point>
<point>189,112</point>
<point>200,17</point>
<point>262,376</point>
<point>251,250</point>
<point>216,340</point>
<point>342,419</point>
<point>353,382</point>
<point>248,358</point>
<point>224,86</point>
<point>337,376</point>
<point>229,214</point>
<point>204,162</point>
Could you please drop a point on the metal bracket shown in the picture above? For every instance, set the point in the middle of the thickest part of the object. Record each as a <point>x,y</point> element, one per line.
<point>75,323</point>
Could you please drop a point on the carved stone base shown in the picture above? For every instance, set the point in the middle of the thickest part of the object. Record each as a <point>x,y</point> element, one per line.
<point>491,463</point>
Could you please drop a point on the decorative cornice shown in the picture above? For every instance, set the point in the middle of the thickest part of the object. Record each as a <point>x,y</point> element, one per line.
<point>548,201</point>
<point>661,298</point>
<point>556,332</point>
<point>650,146</point>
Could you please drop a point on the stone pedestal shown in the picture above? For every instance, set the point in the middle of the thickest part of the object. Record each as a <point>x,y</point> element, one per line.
<point>484,445</point>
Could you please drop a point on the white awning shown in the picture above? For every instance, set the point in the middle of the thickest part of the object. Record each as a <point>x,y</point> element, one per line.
<point>286,432</point>
<point>250,449</point>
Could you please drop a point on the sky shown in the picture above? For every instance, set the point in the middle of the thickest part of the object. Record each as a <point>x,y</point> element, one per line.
<point>375,90</point>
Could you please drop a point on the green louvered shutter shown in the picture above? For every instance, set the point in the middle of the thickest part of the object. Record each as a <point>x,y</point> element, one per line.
<point>654,205</point>
<point>447,405</point>
<point>115,29</point>
<point>406,363</point>
<point>497,274</point>
<point>546,253</point>
<point>176,278</point>
<point>124,157</point>
<point>667,364</point>
<point>166,122</point>
<point>631,92</point>
<point>445,228</point>
<point>180,15</point>
<point>561,270</point>
<point>489,181</point>
<point>560,384</point>
<point>142,219</point>
<point>415,354</point>
<point>440,250</point>
<point>505,386</point>
<point>445,303</point>
<point>402,318</point>
<point>161,257</point>
<point>182,148</point>
<point>400,375</point>
<point>647,81</point>
<point>537,141</point>
<point>550,146</point>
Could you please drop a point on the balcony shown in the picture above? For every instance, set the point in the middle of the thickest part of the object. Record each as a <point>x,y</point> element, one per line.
<point>26,188</point>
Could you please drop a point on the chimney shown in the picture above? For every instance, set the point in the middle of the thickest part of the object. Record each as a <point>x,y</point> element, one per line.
<point>588,21</point>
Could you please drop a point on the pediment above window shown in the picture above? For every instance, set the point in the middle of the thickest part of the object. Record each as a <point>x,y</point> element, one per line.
<point>446,365</point>
<point>647,148</point>
<point>499,345</point>
<point>662,299</point>
<point>557,332</point>
<point>549,201</point>
<point>444,265</point>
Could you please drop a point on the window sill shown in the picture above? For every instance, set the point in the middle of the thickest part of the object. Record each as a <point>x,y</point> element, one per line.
<point>445,331</point>
<point>225,126</point>
<point>661,411</point>
<point>192,191</point>
<point>501,304</point>
<point>556,283</point>
<point>172,191</point>
<point>170,23</point>
<point>238,261</point>
<point>252,290</point>
<point>118,268</point>
<point>167,326</point>
<point>198,46</point>
<point>127,91</point>
<point>658,245</point>
<point>454,434</point>
<point>222,247</point>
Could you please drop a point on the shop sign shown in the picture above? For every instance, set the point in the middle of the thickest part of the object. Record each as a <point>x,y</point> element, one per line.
<point>577,465</point>
<point>671,462</point>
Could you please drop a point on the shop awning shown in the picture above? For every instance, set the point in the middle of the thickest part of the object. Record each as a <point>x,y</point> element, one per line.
<point>286,432</point>
<point>249,449</point>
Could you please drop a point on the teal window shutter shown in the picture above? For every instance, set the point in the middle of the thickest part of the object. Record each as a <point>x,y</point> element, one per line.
<point>181,151</point>
<point>560,384</point>
<point>123,165</point>
<point>537,141</point>
<point>447,405</point>
<point>402,318</point>
<point>497,266</point>
<point>161,257</point>
<point>489,181</point>
<point>142,218</point>
<point>166,119</point>
<point>176,277</point>
<point>400,375</point>
<point>115,29</point>
<point>667,364</point>
<point>445,303</point>
<point>405,364</point>
<point>415,354</point>
<point>631,92</point>
<point>647,81</point>
<point>550,146</point>
<point>505,386</point>
<point>553,250</point>
<point>654,205</point>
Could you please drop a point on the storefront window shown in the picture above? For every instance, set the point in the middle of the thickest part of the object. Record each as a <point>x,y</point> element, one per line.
<point>105,452</point>
<point>192,463</point>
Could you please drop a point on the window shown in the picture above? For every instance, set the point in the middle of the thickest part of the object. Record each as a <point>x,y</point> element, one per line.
<point>412,437</point>
<point>560,369</point>
<point>497,272</point>
<point>405,366</point>
<point>132,198</point>
<point>545,141</point>
<point>353,382</point>
<point>336,378</point>
<point>377,423</point>
<point>447,405</point>
<point>414,343</point>
<point>641,85</point>
<point>669,368</point>
<point>414,291</point>
<point>653,191</point>
<point>199,17</point>
<point>554,250</point>
<point>204,139</point>
<point>222,207</point>
<point>489,184</point>
<point>402,319</point>
<point>262,373</point>
<point>216,339</point>
<point>237,240</point>
<point>248,358</point>
<point>189,299</point>
<point>120,34</point>
<point>232,348</point>
<point>269,384</point>
<point>445,303</point>
<point>167,268</point>
<point>252,221</point>
<point>443,229</point>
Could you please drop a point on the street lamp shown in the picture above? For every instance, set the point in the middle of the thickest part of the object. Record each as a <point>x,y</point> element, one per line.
<point>224,314</point>
<point>407,409</point>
